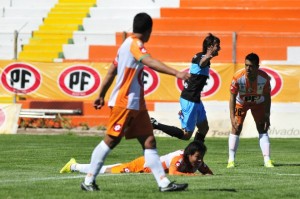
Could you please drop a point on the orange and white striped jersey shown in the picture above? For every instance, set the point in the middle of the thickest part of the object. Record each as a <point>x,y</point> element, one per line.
<point>172,161</point>
<point>167,159</point>
<point>249,93</point>
<point>129,89</point>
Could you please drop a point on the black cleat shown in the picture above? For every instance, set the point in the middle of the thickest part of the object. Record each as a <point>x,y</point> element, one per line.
<point>91,187</point>
<point>174,187</point>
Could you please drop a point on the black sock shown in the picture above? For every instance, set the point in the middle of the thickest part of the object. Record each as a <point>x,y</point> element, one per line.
<point>170,130</point>
<point>199,137</point>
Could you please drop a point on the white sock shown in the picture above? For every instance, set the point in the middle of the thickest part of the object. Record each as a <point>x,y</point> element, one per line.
<point>264,144</point>
<point>153,162</point>
<point>82,168</point>
<point>233,143</point>
<point>104,167</point>
<point>98,156</point>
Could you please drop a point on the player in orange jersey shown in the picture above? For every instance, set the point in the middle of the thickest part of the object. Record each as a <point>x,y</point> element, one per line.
<point>129,116</point>
<point>250,90</point>
<point>181,162</point>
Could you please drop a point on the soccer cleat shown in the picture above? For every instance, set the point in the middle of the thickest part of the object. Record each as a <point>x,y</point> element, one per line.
<point>230,165</point>
<point>153,122</point>
<point>269,164</point>
<point>91,187</point>
<point>67,167</point>
<point>174,187</point>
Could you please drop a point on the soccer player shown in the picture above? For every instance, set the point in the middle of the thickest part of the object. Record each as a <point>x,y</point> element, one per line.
<point>250,90</point>
<point>192,112</point>
<point>129,116</point>
<point>181,162</point>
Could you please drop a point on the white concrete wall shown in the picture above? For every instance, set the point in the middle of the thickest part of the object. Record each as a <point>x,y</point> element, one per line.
<point>284,119</point>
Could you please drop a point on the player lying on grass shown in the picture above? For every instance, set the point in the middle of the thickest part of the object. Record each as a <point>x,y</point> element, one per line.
<point>180,162</point>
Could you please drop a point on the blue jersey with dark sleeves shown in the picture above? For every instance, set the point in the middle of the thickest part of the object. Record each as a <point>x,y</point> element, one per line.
<point>194,85</point>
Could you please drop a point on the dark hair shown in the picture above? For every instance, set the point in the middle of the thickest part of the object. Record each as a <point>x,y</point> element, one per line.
<point>208,41</point>
<point>253,58</point>
<point>191,149</point>
<point>142,22</point>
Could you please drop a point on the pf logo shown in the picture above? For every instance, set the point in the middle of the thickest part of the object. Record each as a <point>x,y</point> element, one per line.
<point>276,81</point>
<point>212,85</point>
<point>20,78</point>
<point>150,80</point>
<point>79,81</point>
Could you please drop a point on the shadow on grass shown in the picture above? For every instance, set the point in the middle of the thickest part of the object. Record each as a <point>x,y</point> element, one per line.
<point>227,190</point>
<point>289,165</point>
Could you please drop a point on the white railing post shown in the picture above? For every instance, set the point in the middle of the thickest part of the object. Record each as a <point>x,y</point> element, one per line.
<point>234,38</point>
<point>16,35</point>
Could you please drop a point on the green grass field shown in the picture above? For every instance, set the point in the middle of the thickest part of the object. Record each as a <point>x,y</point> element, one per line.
<point>30,164</point>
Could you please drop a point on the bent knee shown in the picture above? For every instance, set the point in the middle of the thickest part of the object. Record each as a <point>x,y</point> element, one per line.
<point>186,135</point>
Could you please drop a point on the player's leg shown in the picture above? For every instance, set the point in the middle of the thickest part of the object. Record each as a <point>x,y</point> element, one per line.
<point>168,129</point>
<point>202,123</point>
<point>234,136</point>
<point>134,166</point>
<point>112,138</point>
<point>188,117</point>
<point>264,140</point>
<point>141,129</point>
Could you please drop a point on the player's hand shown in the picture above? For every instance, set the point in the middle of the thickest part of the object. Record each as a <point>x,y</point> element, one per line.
<point>183,75</point>
<point>210,52</point>
<point>98,103</point>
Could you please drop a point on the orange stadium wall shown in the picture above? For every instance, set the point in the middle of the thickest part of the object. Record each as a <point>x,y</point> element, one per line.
<point>79,82</point>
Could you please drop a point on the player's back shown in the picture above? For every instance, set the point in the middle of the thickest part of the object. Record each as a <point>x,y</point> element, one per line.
<point>129,90</point>
<point>166,159</point>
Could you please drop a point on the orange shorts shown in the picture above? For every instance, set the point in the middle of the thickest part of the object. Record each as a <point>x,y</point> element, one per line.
<point>129,123</point>
<point>257,110</point>
<point>135,166</point>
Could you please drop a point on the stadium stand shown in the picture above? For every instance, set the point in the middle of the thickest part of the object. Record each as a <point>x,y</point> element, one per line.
<point>21,16</point>
<point>87,30</point>
<point>269,26</point>
<point>57,29</point>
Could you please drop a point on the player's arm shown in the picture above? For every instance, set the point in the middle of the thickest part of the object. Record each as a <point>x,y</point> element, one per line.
<point>108,80</point>
<point>208,56</point>
<point>205,170</point>
<point>163,68</point>
<point>267,107</point>
<point>173,169</point>
<point>232,103</point>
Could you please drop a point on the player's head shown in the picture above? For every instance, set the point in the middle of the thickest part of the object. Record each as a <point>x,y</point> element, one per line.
<point>251,65</point>
<point>253,58</point>
<point>142,24</point>
<point>193,156</point>
<point>211,41</point>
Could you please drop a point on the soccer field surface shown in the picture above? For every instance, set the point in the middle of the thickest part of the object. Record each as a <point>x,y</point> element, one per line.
<point>30,164</point>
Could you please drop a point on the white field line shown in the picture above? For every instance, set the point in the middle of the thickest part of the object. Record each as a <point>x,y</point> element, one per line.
<point>121,174</point>
<point>63,177</point>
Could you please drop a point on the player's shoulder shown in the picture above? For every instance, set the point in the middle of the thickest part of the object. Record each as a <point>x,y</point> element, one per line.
<point>239,73</point>
<point>263,74</point>
<point>196,58</point>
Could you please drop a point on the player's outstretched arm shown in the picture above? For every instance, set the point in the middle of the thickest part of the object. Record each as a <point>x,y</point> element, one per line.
<point>163,68</point>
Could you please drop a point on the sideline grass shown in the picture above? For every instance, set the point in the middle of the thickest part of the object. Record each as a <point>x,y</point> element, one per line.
<point>30,164</point>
